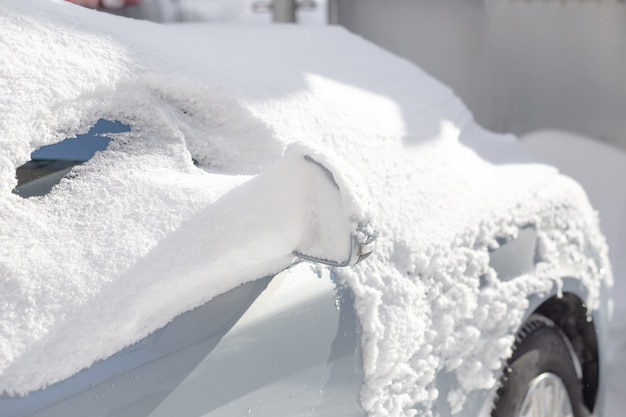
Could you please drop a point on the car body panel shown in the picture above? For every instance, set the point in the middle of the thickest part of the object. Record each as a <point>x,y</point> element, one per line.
<point>221,359</point>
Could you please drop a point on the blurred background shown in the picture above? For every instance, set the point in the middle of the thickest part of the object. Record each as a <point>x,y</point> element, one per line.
<point>240,11</point>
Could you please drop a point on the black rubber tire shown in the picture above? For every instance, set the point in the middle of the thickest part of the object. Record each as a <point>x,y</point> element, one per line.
<point>540,347</point>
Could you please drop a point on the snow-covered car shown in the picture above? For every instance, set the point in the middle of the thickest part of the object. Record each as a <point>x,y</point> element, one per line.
<point>275,220</point>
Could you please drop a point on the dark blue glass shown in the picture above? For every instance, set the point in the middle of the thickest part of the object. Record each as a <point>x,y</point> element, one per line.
<point>82,147</point>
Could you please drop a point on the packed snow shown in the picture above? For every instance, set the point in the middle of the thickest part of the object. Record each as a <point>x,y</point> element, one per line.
<point>139,234</point>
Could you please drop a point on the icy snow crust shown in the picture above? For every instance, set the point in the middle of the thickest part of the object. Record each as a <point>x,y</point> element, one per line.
<point>139,234</point>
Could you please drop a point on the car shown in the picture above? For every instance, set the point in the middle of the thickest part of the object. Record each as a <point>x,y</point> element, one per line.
<point>221,220</point>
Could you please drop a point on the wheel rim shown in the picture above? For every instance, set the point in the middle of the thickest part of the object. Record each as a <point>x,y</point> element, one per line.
<point>546,397</point>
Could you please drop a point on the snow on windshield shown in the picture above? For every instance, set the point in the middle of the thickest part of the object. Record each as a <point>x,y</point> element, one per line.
<point>95,265</point>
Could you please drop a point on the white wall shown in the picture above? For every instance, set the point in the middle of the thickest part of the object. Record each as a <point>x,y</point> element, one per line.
<point>520,65</point>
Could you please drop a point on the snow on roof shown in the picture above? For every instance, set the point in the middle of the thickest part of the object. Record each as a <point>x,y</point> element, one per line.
<point>96,264</point>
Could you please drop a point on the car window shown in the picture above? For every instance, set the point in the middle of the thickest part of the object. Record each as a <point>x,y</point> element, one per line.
<point>50,163</point>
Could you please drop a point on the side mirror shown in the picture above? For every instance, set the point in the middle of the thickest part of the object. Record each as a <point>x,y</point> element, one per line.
<point>304,207</point>
<point>339,238</point>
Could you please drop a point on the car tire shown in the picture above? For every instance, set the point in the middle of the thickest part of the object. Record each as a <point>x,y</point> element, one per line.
<point>542,377</point>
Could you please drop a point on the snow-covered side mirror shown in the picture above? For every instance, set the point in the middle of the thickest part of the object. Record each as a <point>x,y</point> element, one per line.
<point>306,204</point>
<point>335,237</point>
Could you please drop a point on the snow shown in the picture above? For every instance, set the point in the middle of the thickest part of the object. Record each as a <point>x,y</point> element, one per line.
<point>596,165</point>
<point>139,234</point>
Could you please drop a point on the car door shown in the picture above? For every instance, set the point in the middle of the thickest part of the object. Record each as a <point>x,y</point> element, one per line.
<point>282,345</point>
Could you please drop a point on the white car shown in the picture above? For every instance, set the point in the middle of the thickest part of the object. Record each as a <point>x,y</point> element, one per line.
<point>275,220</point>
